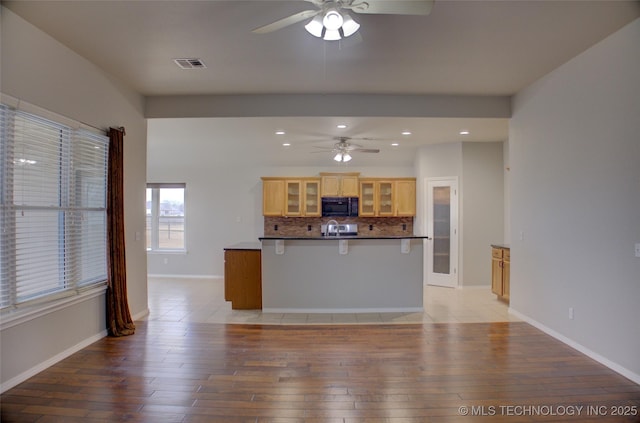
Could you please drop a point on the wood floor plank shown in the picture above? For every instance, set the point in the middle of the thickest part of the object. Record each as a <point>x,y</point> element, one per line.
<point>196,372</point>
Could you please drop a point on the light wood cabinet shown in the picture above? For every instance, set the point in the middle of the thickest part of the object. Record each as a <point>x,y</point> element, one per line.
<point>243,279</point>
<point>339,184</point>
<point>311,199</point>
<point>291,196</point>
<point>405,197</point>
<point>379,197</point>
<point>387,197</point>
<point>500,272</point>
<point>273,197</point>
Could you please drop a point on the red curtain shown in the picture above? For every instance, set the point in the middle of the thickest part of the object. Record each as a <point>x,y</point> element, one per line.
<point>119,321</point>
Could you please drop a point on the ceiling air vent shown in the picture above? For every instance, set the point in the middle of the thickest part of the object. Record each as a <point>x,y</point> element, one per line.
<point>190,63</point>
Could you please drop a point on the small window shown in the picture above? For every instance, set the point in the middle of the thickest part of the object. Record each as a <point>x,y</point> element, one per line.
<point>165,217</point>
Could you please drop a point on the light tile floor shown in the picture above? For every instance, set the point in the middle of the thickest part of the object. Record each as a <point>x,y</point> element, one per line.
<point>202,300</point>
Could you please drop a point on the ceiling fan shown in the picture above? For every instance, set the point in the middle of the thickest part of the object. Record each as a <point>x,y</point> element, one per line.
<point>343,148</point>
<point>331,19</point>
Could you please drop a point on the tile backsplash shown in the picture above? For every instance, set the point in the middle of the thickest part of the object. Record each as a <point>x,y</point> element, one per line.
<point>310,226</point>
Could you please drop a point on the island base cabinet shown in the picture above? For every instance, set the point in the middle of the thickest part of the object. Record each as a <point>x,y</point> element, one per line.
<point>243,279</point>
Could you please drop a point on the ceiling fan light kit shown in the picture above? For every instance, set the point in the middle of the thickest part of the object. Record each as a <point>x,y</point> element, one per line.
<point>342,157</point>
<point>331,21</point>
<point>330,26</point>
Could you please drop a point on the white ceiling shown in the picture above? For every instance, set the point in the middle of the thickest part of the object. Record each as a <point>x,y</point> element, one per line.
<point>476,47</point>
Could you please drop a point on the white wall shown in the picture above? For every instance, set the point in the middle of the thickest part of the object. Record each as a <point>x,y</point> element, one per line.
<point>223,201</point>
<point>43,72</point>
<point>482,209</point>
<point>478,167</point>
<point>575,196</point>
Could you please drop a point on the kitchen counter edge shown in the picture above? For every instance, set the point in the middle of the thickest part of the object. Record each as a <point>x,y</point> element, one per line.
<point>329,238</point>
<point>505,246</point>
<point>244,246</point>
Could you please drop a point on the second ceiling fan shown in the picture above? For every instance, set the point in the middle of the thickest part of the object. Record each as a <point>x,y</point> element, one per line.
<point>343,148</point>
<point>331,20</point>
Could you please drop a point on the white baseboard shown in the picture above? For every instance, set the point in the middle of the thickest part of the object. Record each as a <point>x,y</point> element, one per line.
<point>50,362</point>
<point>165,276</point>
<point>344,310</point>
<point>140,315</point>
<point>634,377</point>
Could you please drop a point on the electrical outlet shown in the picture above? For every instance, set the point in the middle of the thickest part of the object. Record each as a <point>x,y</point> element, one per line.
<point>165,260</point>
<point>570,313</point>
<point>638,249</point>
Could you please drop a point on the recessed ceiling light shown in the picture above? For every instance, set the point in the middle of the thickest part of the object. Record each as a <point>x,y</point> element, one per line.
<point>341,126</point>
<point>464,132</point>
<point>286,144</point>
<point>406,132</point>
<point>395,144</point>
<point>280,132</point>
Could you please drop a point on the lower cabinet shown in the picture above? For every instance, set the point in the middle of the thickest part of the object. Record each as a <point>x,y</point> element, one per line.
<point>243,279</point>
<point>500,270</point>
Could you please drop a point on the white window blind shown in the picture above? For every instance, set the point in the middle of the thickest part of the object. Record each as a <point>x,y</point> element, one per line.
<point>52,208</point>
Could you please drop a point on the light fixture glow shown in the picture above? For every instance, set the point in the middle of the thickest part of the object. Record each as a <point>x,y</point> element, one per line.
<point>333,25</point>
<point>286,144</point>
<point>464,132</point>
<point>349,27</point>
<point>332,20</point>
<point>342,156</point>
<point>279,132</point>
<point>341,126</point>
<point>331,35</point>
<point>395,144</point>
<point>406,132</point>
<point>315,27</point>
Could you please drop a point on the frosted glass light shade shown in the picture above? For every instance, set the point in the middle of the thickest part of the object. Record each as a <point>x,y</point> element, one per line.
<point>315,27</point>
<point>332,35</point>
<point>349,27</point>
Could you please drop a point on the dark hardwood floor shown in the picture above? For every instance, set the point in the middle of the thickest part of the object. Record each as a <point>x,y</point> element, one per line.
<point>195,372</point>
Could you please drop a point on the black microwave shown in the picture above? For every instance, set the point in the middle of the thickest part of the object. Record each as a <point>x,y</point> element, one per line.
<point>340,206</point>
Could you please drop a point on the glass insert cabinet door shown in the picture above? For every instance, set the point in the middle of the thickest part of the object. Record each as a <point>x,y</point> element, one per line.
<point>312,198</point>
<point>293,205</point>
<point>442,206</point>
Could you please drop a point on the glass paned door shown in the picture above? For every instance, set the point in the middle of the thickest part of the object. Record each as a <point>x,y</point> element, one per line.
<point>442,228</point>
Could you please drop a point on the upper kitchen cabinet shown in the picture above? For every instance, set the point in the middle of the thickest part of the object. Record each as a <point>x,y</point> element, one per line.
<point>291,196</point>
<point>405,197</point>
<point>273,197</point>
<point>387,197</point>
<point>311,200</point>
<point>340,184</point>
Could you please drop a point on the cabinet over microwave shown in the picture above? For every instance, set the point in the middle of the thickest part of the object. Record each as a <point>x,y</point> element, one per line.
<point>340,206</point>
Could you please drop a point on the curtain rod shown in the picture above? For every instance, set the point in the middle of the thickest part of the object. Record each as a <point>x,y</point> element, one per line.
<point>120,128</point>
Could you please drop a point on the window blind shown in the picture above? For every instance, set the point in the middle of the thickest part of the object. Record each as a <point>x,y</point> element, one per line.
<point>52,208</point>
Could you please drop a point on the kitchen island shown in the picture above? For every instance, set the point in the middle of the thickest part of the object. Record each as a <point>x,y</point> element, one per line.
<point>342,274</point>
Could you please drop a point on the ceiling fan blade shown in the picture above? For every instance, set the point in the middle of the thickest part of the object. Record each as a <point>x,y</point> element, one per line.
<point>284,22</point>
<point>393,7</point>
<point>366,150</point>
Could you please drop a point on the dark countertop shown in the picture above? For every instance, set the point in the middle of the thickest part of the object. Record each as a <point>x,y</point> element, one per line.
<point>505,246</point>
<point>329,238</point>
<point>244,246</point>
